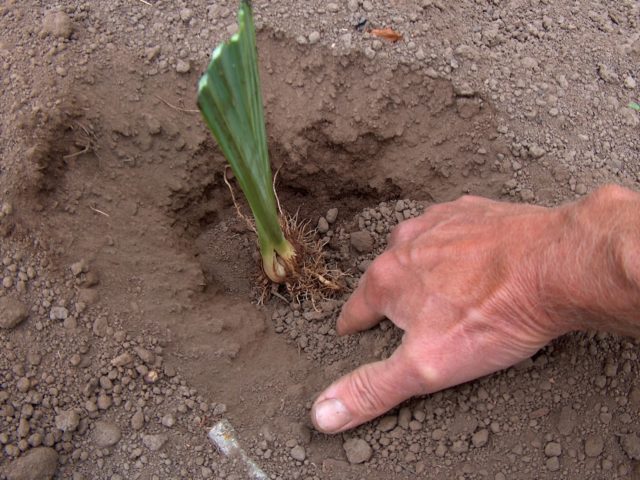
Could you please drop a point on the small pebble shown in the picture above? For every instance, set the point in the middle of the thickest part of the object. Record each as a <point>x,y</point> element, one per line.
<point>106,434</point>
<point>388,423</point>
<point>552,449</point>
<point>186,14</point>
<point>100,326</point>
<point>323,225</point>
<point>298,453</point>
<point>58,313</point>
<point>168,420</point>
<point>362,241</point>
<point>67,420</point>
<point>183,66</point>
<point>145,355</point>
<point>314,37</point>
<point>527,195</point>
<point>104,402</point>
<point>631,445</point>
<point>553,464</point>
<point>332,7</point>
<point>480,438</point>
<point>137,420</point>
<point>12,312</point>
<point>79,267</point>
<point>122,360</point>
<point>39,463</point>
<point>58,24</point>
<point>23,385</point>
<point>154,442</point>
<point>630,82</point>
<point>357,450</point>
<point>332,215</point>
<point>593,446</point>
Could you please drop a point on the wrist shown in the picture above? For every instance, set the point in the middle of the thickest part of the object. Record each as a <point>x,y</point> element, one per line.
<point>590,274</point>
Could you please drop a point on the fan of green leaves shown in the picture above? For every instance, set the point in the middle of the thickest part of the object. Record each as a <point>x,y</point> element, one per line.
<point>230,100</point>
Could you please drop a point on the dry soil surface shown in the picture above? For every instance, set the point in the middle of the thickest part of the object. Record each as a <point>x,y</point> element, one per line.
<point>128,322</point>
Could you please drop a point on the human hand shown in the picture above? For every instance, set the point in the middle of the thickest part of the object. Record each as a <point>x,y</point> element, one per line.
<point>464,282</point>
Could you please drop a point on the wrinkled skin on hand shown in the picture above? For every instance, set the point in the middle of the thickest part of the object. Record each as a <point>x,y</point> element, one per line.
<point>464,283</point>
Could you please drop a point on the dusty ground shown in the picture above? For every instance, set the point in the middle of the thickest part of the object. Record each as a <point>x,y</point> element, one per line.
<point>128,321</point>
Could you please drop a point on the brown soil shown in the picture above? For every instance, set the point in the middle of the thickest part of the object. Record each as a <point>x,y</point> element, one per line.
<point>119,235</point>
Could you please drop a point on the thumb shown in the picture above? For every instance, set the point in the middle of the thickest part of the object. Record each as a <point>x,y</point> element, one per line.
<point>366,393</point>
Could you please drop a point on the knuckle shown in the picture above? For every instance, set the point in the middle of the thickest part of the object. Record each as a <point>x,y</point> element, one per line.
<point>377,283</point>
<point>401,232</point>
<point>407,256</point>
<point>377,272</point>
<point>382,272</point>
<point>366,397</point>
<point>381,277</point>
<point>425,373</point>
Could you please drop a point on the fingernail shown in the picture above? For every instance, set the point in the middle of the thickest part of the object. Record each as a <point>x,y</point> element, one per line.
<point>330,415</point>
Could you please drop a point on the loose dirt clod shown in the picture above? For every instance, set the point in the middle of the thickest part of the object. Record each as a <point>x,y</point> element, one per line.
<point>39,463</point>
<point>593,446</point>
<point>362,242</point>
<point>154,442</point>
<point>67,420</point>
<point>12,312</point>
<point>357,450</point>
<point>58,24</point>
<point>106,434</point>
<point>631,445</point>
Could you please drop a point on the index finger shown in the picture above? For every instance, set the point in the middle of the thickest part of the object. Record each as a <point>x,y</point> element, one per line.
<point>378,289</point>
<point>358,314</point>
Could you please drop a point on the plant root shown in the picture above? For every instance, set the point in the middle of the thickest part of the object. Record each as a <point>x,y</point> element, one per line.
<point>236,205</point>
<point>308,277</point>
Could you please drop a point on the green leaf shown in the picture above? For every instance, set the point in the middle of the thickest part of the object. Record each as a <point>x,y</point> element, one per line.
<point>634,106</point>
<point>230,100</point>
